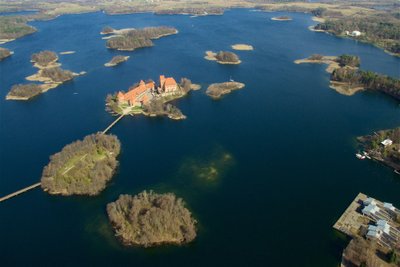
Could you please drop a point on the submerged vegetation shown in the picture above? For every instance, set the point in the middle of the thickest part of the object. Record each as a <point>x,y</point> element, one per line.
<point>132,39</point>
<point>82,167</point>
<point>150,219</point>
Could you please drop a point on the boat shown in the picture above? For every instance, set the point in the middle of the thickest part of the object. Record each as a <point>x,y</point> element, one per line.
<point>366,155</point>
<point>230,79</point>
<point>397,172</point>
<point>360,156</point>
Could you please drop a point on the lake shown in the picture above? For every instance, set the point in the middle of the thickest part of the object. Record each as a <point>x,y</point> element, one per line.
<point>292,141</point>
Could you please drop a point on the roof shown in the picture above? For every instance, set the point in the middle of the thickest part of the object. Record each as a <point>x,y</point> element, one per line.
<point>169,82</point>
<point>388,206</point>
<point>371,208</point>
<point>369,200</point>
<point>387,142</point>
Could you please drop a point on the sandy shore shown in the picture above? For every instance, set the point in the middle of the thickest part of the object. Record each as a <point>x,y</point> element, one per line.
<point>345,88</point>
<point>242,47</point>
<point>317,19</point>
<point>67,52</point>
<point>195,86</point>
<point>329,60</point>
<point>281,19</point>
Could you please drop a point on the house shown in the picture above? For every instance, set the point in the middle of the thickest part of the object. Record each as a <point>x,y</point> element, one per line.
<point>355,33</point>
<point>168,85</point>
<point>370,209</point>
<point>137,96</point>
<point>389,206</point>
<point>387,142</point>
<point>369,201</point>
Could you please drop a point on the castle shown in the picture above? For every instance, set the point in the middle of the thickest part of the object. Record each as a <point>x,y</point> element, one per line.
<point>143,93</point>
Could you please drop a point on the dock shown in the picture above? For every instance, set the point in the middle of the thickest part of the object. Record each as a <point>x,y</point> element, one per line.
<point>26,189</point>
<point>352,219</point>
<point>20,192</point>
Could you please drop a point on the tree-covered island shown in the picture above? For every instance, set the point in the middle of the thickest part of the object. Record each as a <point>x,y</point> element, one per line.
<point>131,39</point>
<point>116,61</point>
<point>217,90</point>
<point>13,27</point>
<point>151,99</point>
<point>223,57</point>
<point>150,219</point>
<point>24,91</point>
<point>383,146</point>
<point>45,59</point>
<point>82,167</point>
<point>4,53</point>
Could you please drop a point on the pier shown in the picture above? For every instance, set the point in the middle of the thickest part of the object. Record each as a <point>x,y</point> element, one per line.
<point>20,192</point>
<point>26,189</point>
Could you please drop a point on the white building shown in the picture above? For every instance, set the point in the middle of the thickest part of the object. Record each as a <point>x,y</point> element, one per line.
<point>387,142</point>
<point>383,226</point>
<point>389,206</point>
<point>369,201</point>
<point>355,33</point>
<point>370,209</point>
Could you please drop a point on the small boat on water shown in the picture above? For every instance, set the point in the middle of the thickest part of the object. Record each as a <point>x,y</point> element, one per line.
<point>366,155</point>
<point>230,79</point>
<point>397,172</point>
<point>360,156</point>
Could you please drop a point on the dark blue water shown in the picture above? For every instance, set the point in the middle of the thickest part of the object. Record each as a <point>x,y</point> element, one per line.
<point>291,137</point>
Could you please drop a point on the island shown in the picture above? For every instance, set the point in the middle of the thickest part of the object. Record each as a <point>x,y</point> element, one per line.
<point>223,57</point>
<point>149,219</point>
<point>5,53</point>
<point>217,90</point>
<point>242,47</point>
<point>13,27</point>
<point>45,59</point>
<point>151,99</point>
<point>24,91</point>
<point>131,39</point>
<point>282,18</point>
<point>382,146</point>
<point>116,61</point>
<point>83,167</point>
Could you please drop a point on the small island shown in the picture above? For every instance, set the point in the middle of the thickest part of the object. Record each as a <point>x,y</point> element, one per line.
<point>150,99</point>
<point>150,219</point>
<point>5,53</point>
<point>242,47</point>
<point>383,146</point>
<point>131,39</point>
<point>82,167</point>
<point>116,61</point>
<point>282,18</point>
<point>45,59</point>
<point>223,57</point>
<point>217,90</point>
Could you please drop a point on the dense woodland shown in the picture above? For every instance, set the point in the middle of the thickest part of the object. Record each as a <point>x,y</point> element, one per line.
<point>158,107</point>
<point>382,29</point>
<point>150,219</point>
<point>369,80</point>
<point>44,58</point>
<point>25,90</point>
<point>227,57</point>
<point>57,74</point>
<point>138,38</point>
<point>12,27</point>
<point>348,60</point>
<point>4,53</point>
<point>82,167</point>
<point>216,90</point>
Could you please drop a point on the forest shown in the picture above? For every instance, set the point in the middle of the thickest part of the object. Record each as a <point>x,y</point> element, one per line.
<point>13,27</point>
<point>44,58</point>
<point>368,79</point>
<point>150,219</point>
<point>82,167</point>
<point>227,57</point>
<point>57,74</point>
<point>381,29</point>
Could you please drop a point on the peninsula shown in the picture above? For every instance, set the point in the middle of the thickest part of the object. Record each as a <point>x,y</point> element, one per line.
<point>24,91</point>
<point>149,219</point>
<point>131,39</point>
<point>374,228</point>
<point>82,167</point>
<point>150,99</point>
<point>383,146</point>
<point>217,90</point>
<point>223,57</point>
<point>116,61</point>
<point>5,53</point>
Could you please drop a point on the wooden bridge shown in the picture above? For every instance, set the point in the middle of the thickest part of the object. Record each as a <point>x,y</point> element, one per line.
<point>26,189</point>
